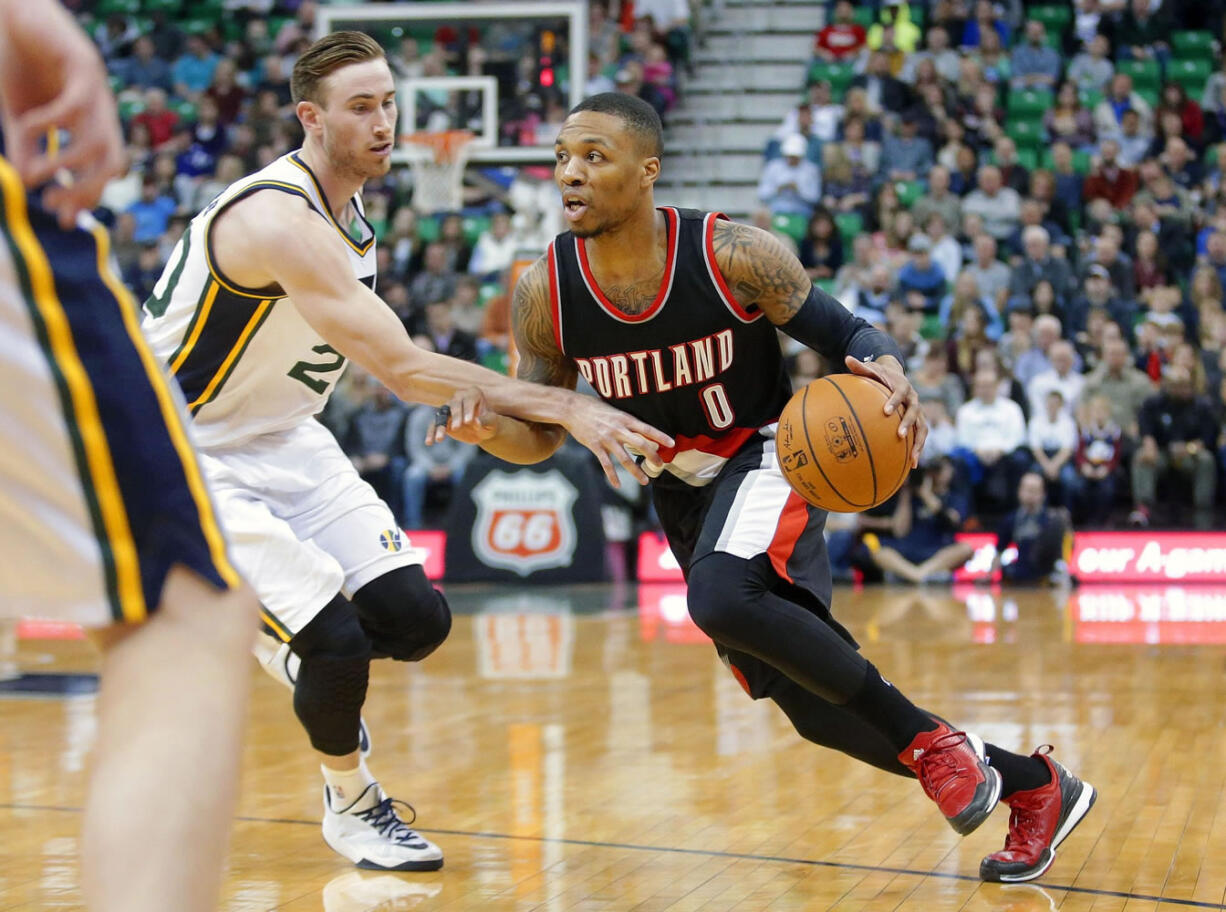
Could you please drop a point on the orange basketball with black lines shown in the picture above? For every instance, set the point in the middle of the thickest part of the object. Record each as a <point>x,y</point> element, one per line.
<point>838,449</point>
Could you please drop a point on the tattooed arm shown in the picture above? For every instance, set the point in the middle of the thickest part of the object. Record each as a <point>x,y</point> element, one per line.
<point>761,273</point>
<point>528,442</point>
<point>604,430</point>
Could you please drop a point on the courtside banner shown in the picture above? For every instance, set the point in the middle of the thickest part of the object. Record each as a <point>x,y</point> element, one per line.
<point>431,547</point>
<point>656,561</point>
<point>980,564</point>
<point>1157,557</point>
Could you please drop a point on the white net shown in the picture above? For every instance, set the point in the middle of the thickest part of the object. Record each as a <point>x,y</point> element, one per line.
<point>438,160</point>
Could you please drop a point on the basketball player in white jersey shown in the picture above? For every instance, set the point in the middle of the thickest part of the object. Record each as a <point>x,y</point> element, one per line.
<point>263,301</point>
<point>104,517</point>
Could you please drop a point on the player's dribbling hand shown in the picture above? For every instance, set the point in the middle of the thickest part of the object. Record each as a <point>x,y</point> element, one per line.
<point>889,373</point>
<point>608,432</point>
<point>467,418</point>
<point>52,78</point>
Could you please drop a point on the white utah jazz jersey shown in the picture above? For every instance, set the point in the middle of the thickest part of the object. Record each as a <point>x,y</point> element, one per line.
<point>247,362</point>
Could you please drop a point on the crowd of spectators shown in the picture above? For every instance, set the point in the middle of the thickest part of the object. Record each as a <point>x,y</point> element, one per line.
<point>204,95</point>
<point>1030,199</point>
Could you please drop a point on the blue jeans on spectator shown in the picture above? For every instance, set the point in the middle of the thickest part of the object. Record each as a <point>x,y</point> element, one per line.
<point>416,480</point>
<point>384,481</point>
<point>839,547</point>
<point>995,485</point>
<point>1093,498</point>
<point>1063,491</point>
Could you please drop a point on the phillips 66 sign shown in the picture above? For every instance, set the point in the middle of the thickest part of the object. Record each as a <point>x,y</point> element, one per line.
<point>524,521</point>
<point>538,523</point>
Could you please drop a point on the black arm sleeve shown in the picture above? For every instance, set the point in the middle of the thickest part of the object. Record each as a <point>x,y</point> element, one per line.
<point>827,327</point>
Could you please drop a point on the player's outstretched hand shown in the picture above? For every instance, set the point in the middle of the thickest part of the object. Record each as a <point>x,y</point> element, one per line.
<point>467,417</point>
<point>52,79</point>
<point>889,372</point>
<point>607,432</point>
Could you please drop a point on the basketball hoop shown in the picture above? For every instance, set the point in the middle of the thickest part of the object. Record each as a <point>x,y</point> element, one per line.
<point>438,159</point>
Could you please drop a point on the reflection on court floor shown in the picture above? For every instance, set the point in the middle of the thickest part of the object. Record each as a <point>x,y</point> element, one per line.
<point>582,748</point>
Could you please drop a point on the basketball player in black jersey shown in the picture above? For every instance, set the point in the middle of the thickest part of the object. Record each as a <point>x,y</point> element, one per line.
<point>671,315</point>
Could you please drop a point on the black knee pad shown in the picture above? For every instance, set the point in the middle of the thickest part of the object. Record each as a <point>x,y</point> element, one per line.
<point>719,587</point>
<point>405,617</point>
<point>332,679</point>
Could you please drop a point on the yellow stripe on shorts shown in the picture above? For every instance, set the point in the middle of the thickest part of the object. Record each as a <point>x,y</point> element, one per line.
<point>99,464</point>
<point>170,414</point>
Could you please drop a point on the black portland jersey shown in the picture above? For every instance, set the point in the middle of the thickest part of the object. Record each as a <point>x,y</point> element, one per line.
<point>696,363</point>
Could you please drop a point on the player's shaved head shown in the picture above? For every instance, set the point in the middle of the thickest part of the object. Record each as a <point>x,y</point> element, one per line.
<point>640,117</point>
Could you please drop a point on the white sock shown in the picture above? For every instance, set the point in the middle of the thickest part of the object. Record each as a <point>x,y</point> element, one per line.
<point>347,785</point>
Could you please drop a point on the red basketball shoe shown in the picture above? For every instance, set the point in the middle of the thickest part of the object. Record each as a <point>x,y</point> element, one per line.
<point>1042,818</point>
<point>953,770</point>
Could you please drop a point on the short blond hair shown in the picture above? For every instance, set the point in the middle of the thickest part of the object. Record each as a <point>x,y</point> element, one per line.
<point>326,55</point>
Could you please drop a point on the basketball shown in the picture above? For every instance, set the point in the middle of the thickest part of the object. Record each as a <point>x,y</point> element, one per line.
<point>838,449</point>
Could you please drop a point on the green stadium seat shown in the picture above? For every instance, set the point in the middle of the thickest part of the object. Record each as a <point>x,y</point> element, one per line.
<point>276,23</point>
<point>1144,73</point>
<point>107,8</point>
<point>932,328</point>
<point>1082,161</point>
<point>792,225</point>
<point>1191,74</point>
<point>863,15</point>
<point>185,109</point>
<point>1027,134</point>
<point>170,7</point>
<point>1028,158</point>
<point>1055,17</point>
<point>1091,97</point>
<point>826,285</point>
<point>474,225</point>
<point>850,224</point>
<point>1028,102</point>
<point>130,107</point>
<point>839,75</point>
<point>428,229</point>
<point>1151,95</point>
<point>198,25</point>
<point>908,192</point>
<point>1193,46</point>
<point>488,291</point>
<point>496,360</point>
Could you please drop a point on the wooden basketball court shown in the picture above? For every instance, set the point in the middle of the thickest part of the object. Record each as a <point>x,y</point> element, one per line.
<point>583,749</point>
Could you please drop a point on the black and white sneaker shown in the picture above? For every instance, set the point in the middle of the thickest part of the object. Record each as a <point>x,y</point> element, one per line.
<point>375,838</point>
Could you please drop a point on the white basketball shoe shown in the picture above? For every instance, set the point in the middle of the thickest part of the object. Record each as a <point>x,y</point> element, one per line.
<point>281,664</point>
<point>375,838</point>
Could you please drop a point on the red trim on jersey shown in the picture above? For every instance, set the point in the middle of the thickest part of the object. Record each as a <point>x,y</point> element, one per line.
<point>555,299</point>
<point>740,678</point>
<point>708,236</point>
<point>666,283</point>
<point>726,445</point>
<point>792,522</point>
